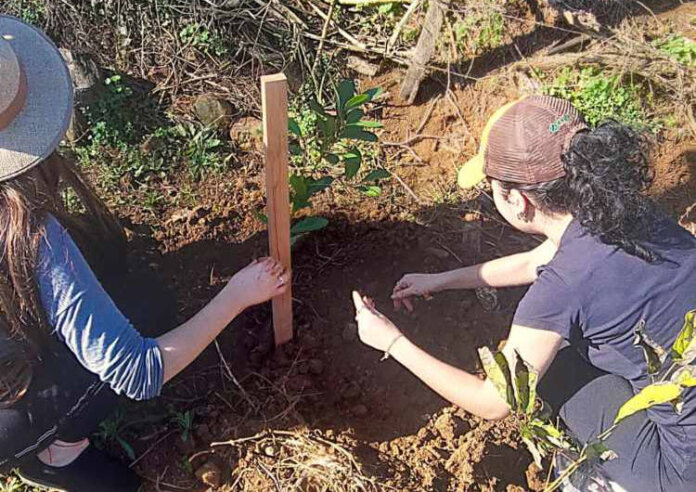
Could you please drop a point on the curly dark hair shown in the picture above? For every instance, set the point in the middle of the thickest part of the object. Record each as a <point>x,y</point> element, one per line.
<point>607,171</point>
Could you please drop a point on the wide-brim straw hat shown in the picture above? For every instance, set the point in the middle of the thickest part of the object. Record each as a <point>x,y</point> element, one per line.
<point>36,97</point>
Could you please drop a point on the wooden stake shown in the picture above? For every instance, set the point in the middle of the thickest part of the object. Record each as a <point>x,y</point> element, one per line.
<point>425,48</point>
<point>274,95</point>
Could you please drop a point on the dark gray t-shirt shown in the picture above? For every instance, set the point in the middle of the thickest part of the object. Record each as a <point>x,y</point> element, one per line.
<point>594,295</point>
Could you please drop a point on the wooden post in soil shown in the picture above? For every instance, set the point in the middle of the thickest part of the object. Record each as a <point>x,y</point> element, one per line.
<point>274,96</point>
<point>425,48</point>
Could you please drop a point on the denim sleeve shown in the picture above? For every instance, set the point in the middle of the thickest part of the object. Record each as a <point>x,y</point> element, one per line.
<point>86,319</point>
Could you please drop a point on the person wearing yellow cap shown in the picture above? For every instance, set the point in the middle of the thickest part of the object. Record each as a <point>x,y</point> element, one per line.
<point>611,262</point>
<point>68,344</point>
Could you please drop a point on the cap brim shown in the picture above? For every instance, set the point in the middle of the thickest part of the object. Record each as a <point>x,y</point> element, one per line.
<point>471,173</point>
<point>41,124</point>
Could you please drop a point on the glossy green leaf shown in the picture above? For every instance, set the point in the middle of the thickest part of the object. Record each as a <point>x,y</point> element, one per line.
<point>317,108</point>
<point>299,185</point>
<point>345,92</point>
<point>295,149</point>
<point>371,191</point>
<point>374,93</point>
<point>356,101</point>
<point>352,168</point>
<point>126,447</point>
<point>526,378</point>
<point>550,433</point>
<point>356,132</point>
<point>498,372</point>
<point>654,354</point>
<point>369,124</point>
<point>315,186</point>
<point>376,175</point>
<point>310,224</point>
<point>354,116</point>
<point>535,450</point>
<point>652,395</point>
<point>684,348</point>
<point>328,127</point>
<point>294,127</point>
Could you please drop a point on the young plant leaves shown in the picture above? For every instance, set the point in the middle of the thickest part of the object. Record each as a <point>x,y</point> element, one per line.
<point>345,92</point>
<point>536,451</point>
<point>356,101</point>
<point>369,124</point>
<point>356,132</point>
<point>371,191</point>
<point>654,354</point>
<point>317,108</point>
<point>374,93</point>
<point>652,395</point>
<point>526,378</point>
<point>294,127</point>
<point>376,175</point>
<point>684,348</point>
<point>310,224</point>
<point>354,116</point>
<point>497,369</point>
<point>352,160</point>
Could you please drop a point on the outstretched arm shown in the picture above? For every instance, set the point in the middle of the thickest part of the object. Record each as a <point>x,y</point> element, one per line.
<point>256,283</point>
<point>467,391</point>
<point>509,271</point>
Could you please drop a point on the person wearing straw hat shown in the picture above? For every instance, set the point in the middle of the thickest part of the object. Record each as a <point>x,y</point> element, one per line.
<point>66,349</point>
<point>611,262</point>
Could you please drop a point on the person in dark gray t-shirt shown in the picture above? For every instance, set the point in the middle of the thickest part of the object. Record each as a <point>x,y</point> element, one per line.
<point>611,262</point>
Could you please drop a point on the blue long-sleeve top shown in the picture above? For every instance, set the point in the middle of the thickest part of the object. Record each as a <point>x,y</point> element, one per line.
<point>85,318</point>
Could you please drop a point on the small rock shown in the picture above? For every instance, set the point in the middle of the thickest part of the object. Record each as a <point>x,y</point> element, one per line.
<point>350,332</point>
<point>213,111</point>
<point>362,66</point>
<point>247,133</point>
<point>471,217</point>
<point>269,451</point>
<point>359,410</point>
<point>350,392</point>
<point>316,366</point>
<point>210,474</point>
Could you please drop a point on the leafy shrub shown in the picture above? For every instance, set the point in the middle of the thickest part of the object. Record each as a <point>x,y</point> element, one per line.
<point>599,96</point>
<point>680,48</point>
<point>328,144</point>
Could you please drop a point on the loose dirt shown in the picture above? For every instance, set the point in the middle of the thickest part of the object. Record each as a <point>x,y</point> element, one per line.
<point>326,386</point>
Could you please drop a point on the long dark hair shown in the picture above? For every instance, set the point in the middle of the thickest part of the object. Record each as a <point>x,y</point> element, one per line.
<point>607,171</point>
<point>25,202</point>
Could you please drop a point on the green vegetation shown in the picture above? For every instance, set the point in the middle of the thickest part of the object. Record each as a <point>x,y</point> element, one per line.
<point>600,96</point>
<point>184,420</point>
<point>111,430</point>
<point>127,145</point>
<point>480,31</point>
<point>30,11</point>
<point>680,48</point>
<point>204,39</point>
<point>11,483</point>
<point>517,386</point>
<point>330,143</point>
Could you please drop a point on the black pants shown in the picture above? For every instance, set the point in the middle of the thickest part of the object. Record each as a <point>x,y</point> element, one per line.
<point>587,400</point>
<point>65,401</point>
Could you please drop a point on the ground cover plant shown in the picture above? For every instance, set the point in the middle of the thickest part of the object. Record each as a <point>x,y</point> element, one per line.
<point>374,183</point>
